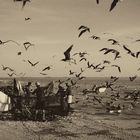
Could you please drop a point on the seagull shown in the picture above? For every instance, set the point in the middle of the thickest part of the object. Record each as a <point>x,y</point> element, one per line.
<point>106,62</point>
<point>68,56</point>
<point>114,42</point>
<point>83,59</point>
<point>27,45</point>
<point>97,1</point>
<point>95,37</point>
<point>114,78</point>
<point>24,2</point>
<point>43,73</point>
<point>119,69</point>
<point>129,51</point>
<point>47,68</point>
<point>107,50</point>
<point>27,19</point>
<point>3,42</point>
<point>84,29</point>
<point>33,64</point>
<point>113,4</point>
<point>5,68</point>
<point>132,78</point>
<point>89,65</point>
<point>71,72</point>
<point>10,75</point>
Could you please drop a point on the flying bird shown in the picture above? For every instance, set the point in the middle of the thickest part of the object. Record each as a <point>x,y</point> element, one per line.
<point>84,29</point>
<point>27,19</point>
<point>47,68</point>
<point>119,69</point>
<point>68,55</point>
<point>27,45</point>
<point>114,42</point>
<point>97,1</point>
<point>3,42</point>
<point>19,53</point>
<point>129,51</point>
<point>33,64</point>
<point>43,73</point>
<point>24,2</point>
<point>95,37</point>
<point>71,72</point>
<point>5,68</point>
<point>132,78</point>
<point>113,4</point>
<point>10,75</point>
<point>106,62</point>
<point>107,50</point>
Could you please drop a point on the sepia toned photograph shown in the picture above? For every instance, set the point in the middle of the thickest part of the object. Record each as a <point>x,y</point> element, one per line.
<point>69,70</point>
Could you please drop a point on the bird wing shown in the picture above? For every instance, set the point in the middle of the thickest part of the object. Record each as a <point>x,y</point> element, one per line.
<point>83,31</point>
<point>24,3</point>
<point>97,1</point>
<point>103,49</point>
<point>67,52</point>
<point>128,50</point>
<point>30,62</point>
<point>137,54</point>
<point>82,27</point>
<point>12,41</point>
<point>36,63</point>
<point>113,4</point>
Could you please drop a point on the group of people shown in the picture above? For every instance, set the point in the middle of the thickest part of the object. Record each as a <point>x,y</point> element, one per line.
<point>40,98</point>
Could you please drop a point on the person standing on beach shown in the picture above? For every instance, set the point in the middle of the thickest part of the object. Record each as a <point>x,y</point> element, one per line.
<point>28,92</point>
<point>40,100</point>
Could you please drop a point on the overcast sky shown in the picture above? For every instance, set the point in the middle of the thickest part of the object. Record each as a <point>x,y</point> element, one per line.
<point>54,27</point>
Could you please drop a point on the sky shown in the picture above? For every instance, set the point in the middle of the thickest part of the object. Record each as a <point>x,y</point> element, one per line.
<point>54,27</point>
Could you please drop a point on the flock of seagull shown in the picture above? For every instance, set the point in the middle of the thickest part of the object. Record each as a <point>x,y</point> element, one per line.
<point>70,58</point>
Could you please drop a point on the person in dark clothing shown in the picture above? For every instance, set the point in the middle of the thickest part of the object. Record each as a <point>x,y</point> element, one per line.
<point>28,91</point>
<point>40,100</point>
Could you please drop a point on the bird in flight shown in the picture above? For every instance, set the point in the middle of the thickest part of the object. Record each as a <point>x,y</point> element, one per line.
<point>24,2</point>
<point>27,45</point>
<point>68,55</point>
<point>43,73</point>
<point>119,69</point>
<point>113,4</point>
<point>33,64</point>
<point>83,30</point>
<point>95,37</point>
<point>107,50</point>
<point>47,68</point>
<point>27,19</point>
<point>114,42</point>
<point>3,42</point>
<point>19,53</point>
<point>71,72</point>
<point>131,53</point>
<point>106,62</point>
<point>97,1</point>
<point>10,75</point>
<point>5,68</point>
<point>132,78</point>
